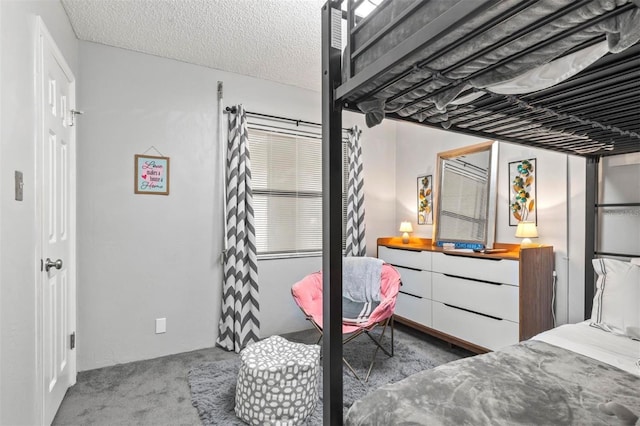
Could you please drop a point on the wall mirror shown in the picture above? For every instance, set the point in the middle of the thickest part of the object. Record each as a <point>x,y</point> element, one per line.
<point>465,211</point>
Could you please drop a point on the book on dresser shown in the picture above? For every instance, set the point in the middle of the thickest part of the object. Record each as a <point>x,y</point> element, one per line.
<point>478,301</point>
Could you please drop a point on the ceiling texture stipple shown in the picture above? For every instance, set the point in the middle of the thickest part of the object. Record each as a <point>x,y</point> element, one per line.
<point>277,40</point>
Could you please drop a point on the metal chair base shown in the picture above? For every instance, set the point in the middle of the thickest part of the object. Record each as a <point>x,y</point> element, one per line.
<point>378,342</point>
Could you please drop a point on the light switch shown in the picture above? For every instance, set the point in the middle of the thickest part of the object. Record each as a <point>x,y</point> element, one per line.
<point>19,186</point>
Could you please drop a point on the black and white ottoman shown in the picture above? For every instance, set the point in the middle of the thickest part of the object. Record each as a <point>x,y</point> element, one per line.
<point>277,382</point>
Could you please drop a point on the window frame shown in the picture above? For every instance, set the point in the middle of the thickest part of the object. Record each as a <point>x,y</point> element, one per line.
<point>280,130</point>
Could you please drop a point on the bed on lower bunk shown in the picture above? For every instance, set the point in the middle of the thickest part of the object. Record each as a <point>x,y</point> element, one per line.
<point>572,375</point>
<point>562,75</point>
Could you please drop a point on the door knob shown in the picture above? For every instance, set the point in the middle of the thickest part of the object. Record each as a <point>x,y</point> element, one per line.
<point>48,264</point>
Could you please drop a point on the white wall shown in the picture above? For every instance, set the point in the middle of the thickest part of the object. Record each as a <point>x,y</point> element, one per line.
<point>558,187</point>
<point>1,180</point>
<point>19,403</point>
<point>278,312</point>
<point>380,174</point>
<point>552,210</point>
<point>143,257</point>
<point>576,237</point>
<point>417,149</point>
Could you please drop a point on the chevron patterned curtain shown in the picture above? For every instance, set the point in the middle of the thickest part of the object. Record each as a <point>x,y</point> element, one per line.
<point>355,234</point>
<point>239,324</point>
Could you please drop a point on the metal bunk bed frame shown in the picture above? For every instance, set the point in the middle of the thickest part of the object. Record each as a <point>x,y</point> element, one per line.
<point>573,107</point>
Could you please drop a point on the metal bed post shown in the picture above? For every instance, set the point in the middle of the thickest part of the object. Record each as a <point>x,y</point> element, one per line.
<point>331,215</point>
<point>591,198</point>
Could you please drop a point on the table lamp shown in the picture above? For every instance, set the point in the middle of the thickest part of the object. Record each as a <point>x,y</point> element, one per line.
<point>526,230</point>
<point>405,228</point>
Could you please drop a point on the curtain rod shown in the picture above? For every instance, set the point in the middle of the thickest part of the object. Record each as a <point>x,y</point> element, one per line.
<point>232,110</point>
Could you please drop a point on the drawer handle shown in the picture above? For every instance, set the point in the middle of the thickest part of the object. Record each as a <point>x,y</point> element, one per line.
<point>472,279</point>
<point>409,294</point>
<point>406,267</point>
<point>473,312</point>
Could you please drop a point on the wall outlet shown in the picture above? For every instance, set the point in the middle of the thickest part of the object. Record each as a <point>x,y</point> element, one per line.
<point>161,325</point>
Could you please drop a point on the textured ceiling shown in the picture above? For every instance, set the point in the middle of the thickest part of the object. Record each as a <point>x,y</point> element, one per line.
<point>276,40</point>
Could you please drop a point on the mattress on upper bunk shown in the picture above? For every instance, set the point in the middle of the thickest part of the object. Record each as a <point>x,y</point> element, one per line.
<point>448,71</point>
<point>574,379</point>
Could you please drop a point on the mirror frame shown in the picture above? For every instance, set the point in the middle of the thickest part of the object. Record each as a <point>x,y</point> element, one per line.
<point>491,146</point>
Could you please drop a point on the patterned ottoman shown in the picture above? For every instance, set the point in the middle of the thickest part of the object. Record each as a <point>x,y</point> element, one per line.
<point>277,382</point>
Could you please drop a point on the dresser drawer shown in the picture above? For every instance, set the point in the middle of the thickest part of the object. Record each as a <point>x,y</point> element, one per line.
<point>477,329</point>
<point>491,299</point>
<point>414,308</point>
<point>406,258</point>
<point>495,270</point>
<point>417,283</point>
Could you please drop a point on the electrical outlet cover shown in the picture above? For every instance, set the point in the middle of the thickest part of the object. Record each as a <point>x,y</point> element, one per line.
<point>161,325</point>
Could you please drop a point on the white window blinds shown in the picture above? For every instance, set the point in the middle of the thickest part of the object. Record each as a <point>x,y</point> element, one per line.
<point>286,173</point>
<point>464,214</point>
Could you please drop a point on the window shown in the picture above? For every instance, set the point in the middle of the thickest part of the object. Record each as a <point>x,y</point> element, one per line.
<point>286,172</point>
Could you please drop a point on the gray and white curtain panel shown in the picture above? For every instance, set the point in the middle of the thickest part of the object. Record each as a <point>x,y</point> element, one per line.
<point>355,234</point>
<point>239,324</point>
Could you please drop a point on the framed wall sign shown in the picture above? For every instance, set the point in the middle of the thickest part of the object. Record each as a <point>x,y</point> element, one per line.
<point>425,200</point>
<point>152,175</point>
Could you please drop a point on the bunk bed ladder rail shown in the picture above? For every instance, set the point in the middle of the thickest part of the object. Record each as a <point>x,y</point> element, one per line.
<point>593,240</point>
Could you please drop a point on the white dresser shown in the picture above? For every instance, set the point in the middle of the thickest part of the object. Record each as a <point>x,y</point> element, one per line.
<point>480,302</point>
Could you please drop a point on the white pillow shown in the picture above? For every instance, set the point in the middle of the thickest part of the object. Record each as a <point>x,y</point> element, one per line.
<point>616,304</point>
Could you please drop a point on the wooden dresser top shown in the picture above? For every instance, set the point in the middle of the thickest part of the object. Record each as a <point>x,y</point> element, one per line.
<point>426,244</point>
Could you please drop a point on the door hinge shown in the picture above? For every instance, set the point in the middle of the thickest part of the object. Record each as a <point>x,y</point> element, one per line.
<point>72,340</point>
<point>41,265</point>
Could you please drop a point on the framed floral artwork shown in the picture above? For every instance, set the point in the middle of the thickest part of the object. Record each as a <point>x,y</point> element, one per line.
<point>522,192</point>
<point>425,200</point>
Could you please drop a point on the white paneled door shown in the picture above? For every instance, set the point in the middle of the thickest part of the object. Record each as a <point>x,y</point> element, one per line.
<point>56,191</point>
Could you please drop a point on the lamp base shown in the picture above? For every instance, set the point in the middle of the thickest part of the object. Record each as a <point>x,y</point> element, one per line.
<point>405,238</point>
<point>526,242</point>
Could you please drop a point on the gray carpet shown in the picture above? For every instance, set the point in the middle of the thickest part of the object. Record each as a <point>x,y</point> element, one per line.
<point>150,392</point>
<point>213,384</point>
<point>156,392</point>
